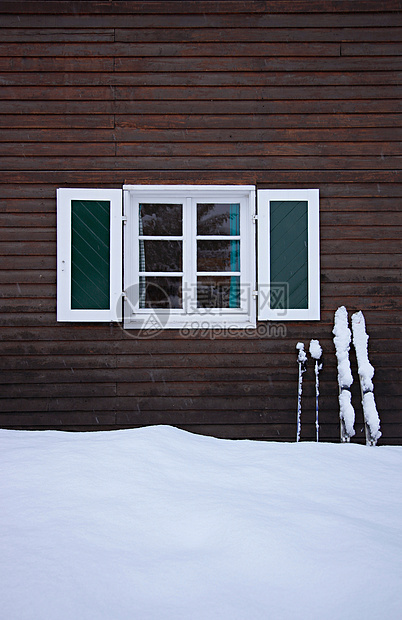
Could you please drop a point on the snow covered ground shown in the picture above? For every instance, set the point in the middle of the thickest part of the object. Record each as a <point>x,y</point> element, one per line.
<point>160,524</point>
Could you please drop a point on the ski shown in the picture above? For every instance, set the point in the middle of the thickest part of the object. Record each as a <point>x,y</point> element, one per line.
<point>316,352</point>
<point>366,373</point>
<point>302,362</point>
<point>342,338</point>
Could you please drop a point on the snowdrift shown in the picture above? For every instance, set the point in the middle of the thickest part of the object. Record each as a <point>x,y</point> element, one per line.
<point>160,524</point>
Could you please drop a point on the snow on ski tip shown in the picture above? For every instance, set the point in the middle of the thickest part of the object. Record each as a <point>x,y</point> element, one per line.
<point>316,352</point>
<point>315,349</point>
<point>366,373</point>
<point>342,338</point>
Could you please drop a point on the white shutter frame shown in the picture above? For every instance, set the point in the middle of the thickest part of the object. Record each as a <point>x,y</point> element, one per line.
<point>64,310</point>
<point>265,313</point>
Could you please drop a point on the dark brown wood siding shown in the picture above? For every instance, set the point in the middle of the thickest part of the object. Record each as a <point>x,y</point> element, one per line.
<point>280,94</point>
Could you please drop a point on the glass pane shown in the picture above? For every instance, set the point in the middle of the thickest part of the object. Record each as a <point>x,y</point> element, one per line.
<point>160,255</point>
<point>289,254</point>
<point>160,292</point>
<point>90,254</point>
<point>218,219</point>
<point>161,219</point>
<point>218,255</point>
<point>218,292</point>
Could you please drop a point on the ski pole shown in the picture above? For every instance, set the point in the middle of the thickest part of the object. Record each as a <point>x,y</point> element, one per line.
<point>316,352</point>
<point>302,361</point>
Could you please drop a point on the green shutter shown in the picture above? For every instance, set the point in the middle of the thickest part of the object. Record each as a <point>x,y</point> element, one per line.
<point>289,253</point>
<point>90,254</point>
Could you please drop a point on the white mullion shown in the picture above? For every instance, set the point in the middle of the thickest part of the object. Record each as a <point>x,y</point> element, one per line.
<point>136,247</point>
<point>131,252</point>
<point>244,254</point>
<point>160,238</point>
<point>127,248</point>
<point>161,274</point>
<point>220,274</point>
<point>244,269</point>
<point>218,237</point>
<point>188,254</point>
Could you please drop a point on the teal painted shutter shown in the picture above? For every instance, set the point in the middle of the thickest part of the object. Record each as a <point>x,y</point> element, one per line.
<point>90,254</point>
<point>288,255</point>
<point>89,238</point>
<point>288,235</point>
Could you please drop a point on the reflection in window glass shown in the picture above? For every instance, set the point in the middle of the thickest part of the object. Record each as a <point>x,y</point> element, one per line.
<point>160,255</point>
<point>218,219</point>
<point>161,219</point>
<point>218,255</point>
<point>160,292</point>
<point>218,292</point>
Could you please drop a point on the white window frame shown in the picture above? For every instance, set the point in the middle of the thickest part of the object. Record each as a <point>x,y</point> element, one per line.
<point>64,310</point>
<point>190,316</point>
<point>312,312</point>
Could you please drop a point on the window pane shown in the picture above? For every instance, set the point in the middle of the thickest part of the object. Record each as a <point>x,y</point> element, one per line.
<point>90,254</point>
<point>289,253</point>
<point>218,292</point>
<point>161,219</point>
<point>160,255</point>
<point>218,255</point>
<point>160,292</point>
<point>218,219</point>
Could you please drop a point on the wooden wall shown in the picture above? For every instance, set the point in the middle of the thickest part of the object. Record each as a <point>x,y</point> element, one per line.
<point>278,94</point>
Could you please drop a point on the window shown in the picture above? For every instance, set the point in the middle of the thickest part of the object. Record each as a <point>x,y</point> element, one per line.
<point>191,255</point>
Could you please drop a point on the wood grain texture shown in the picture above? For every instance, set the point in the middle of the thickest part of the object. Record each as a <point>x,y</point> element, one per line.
<point>281,94</point>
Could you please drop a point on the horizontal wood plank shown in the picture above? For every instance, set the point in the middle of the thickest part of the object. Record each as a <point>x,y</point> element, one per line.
<point>266,34</point>
<point>228,121</point>
<point>158,35</point>
<point>80,7</point>
<point>183,403</point>
<point>198,76</point>
<point>244,19</point>
<point>58,35</point>
<point>385,181</point>
<point>234,159</point>
<point>354,106</point>
<point>206,136</point>
<point>178,48</point>
<point>60,121</point>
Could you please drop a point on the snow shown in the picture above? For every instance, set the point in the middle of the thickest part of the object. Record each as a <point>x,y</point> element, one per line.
<point>360,343</point>
<point>342,337</point>
<point>371,415</point>
<point>316,352</point>
<point>302,357</point>
<point>302,361</point>
<point>347,411</point>
<point>366,373</point>
<point>315,349</point>
<point>160,524</point>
